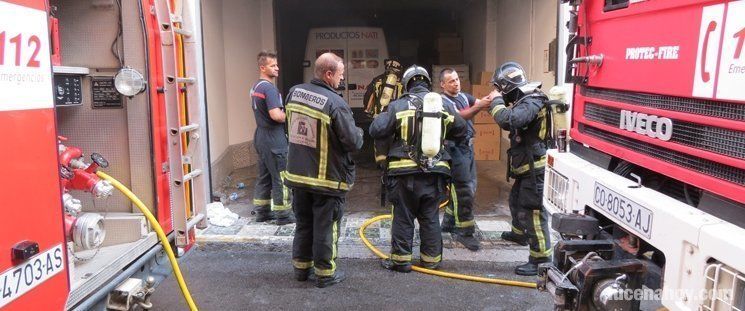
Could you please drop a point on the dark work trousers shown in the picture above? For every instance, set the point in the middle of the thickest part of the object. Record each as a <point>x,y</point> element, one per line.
<point>270,193</point>
<point>318,219</point>
<point>416,196</point>
<point>459,210</point>
<point>529,217</point>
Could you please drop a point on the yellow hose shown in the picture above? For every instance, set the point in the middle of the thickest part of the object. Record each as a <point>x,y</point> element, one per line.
<point>159,231</point>
<point>435,272</point>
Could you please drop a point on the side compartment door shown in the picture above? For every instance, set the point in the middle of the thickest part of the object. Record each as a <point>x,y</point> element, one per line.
<point>33,265</point>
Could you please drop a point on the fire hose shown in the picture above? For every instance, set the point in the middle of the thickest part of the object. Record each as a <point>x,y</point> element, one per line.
<point>161,236</point>
<point>451,275</point>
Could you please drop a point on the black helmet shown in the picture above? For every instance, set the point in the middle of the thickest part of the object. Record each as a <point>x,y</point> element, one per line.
<point>393,66</point>
<point>415,73</point>
<point>508,77</point>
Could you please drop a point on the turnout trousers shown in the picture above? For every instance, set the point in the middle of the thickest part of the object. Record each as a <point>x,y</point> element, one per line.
<point>318,219</point>
<point>416,196</point>
<point>270,193</point>
<point>459,211</point>
<point>529,216</point>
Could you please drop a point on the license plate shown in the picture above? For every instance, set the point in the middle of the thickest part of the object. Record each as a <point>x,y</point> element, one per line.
<point>21,279</point>
<point>633,215</point>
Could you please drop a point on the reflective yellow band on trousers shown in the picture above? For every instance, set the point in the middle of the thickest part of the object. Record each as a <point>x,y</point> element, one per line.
<point>302,264</point>
<point>262,202</point>
<point>543,254</point>
<point>540,163</point>
<point>401,258</point>
<point>316,181</point>
<point>430,258</point>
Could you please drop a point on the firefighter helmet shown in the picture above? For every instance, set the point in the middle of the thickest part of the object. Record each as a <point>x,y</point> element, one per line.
<point>508,77</point>
<point>394,66</point>
<point>415,73</point>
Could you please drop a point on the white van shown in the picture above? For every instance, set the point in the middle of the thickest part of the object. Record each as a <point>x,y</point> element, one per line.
<point>363,49</point>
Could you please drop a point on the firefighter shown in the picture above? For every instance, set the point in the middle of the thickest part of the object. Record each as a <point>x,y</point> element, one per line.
<point>416,178</point>
<point>320,169</point>
<point>271,196</point>
<point>384,88</point>
<point>520,108</point>
<point>458,218</point>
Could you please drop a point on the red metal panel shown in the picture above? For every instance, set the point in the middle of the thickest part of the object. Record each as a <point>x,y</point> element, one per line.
<point>30,192</point>
<point>667,47</point>
<point>160,130</point>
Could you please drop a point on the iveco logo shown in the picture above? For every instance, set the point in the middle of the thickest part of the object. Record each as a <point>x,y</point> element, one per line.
<point>650,125</point>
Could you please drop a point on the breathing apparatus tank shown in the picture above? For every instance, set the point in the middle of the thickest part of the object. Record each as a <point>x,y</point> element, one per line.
<point>431,140</point>
<point>388,88</point>
<point>558,105</point>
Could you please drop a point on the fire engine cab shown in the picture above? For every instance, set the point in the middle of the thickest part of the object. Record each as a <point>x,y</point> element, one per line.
<point>650,195</point>
<point>88,90</point>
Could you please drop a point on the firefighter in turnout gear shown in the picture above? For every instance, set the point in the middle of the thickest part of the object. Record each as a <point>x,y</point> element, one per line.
<point>320,170</point>
<point>418,167</point>
<point>458,218</point>
<point>271,197</point>
<point>520,108</point>
<point>383,90</point>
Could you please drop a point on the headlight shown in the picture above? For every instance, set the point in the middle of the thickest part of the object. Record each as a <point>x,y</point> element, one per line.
<point>129,82</point>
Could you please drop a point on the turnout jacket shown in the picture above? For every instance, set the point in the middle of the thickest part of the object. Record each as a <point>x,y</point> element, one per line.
<point>396,125</point>
<point>527,122</point>
<point>322,134</point>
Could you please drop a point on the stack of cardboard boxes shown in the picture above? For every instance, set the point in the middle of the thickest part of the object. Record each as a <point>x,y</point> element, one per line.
<point>488,134</point>
<point>449,48</point>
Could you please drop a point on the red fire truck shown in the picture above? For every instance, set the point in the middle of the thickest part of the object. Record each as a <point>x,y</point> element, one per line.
<point>88,87</point>
<point>650,196</point>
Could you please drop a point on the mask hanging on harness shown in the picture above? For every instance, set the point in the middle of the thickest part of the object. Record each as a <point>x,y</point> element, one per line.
<point>427,135</point>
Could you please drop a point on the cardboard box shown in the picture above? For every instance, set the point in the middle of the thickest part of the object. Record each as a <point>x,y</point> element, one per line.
<point>483,117</point>
<point>487,142</point>
<point>449,44</point>
<point>480,91</point>
<point>450,57</point>
<point>485,77</point>
<point>465,86</point>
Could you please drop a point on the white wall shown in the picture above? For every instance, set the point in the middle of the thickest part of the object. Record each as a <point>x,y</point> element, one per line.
<point>473,31</point>
<point>234,31</point>
<point>214,58</point>
<point>524,30</point>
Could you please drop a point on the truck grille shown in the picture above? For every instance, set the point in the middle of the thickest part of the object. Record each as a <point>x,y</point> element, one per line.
<point>724,110</point>
<point>557,189</point>
<point>703,137</point>
<point>725,288</point>
<point>704,166</point>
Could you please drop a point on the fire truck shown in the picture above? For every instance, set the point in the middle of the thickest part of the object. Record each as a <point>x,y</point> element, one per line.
<point>90,91</point>
<point>649,193</point>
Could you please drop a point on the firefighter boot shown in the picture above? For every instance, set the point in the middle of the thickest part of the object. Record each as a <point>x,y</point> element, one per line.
<point>326,281</point>
<point>429,265</point>
<point>530,268</point>
<point>284,217</point>
<point>263,214</point>
<point>448,223</point>
<point>514,238</point>
<point>390,265</point>
<point>468,240</point>
<point>303,275</point>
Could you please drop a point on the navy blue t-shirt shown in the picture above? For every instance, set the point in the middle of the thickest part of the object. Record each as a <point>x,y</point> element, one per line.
<point>460,102</point>
<point>264,97</point>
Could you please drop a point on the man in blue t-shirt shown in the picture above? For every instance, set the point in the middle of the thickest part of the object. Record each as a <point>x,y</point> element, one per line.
<point>271,196</point>
<point>458,219</point>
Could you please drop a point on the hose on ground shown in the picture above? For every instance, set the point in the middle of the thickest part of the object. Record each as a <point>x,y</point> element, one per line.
<point>451,275</point>
<point>161,235</point>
